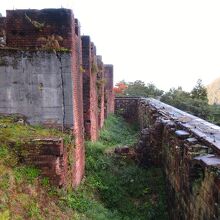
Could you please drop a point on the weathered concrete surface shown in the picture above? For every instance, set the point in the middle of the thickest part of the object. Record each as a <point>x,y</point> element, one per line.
<point>186,147</point>
<point>37,85</point>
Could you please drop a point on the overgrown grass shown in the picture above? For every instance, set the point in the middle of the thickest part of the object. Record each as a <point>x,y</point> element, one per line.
<point>23,193</point>
<point>115,187</point>
<point>13,132</point>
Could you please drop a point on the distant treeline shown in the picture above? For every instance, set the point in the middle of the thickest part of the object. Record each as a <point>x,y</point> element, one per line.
<point>194,102</point>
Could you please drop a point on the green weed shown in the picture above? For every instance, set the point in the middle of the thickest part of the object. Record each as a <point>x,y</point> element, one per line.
<point>34,211</point>
<point>26,173</point>
<point>115,187</point>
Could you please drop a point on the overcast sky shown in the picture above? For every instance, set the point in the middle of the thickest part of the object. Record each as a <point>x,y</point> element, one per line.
<point>168,42</point>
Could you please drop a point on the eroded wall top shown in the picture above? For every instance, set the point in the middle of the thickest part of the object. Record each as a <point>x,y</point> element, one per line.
<point>32,28</point>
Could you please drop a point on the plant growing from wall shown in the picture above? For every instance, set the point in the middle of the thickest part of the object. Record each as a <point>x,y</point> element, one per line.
<point>39,26</point>
<point>94,68</point>
<point>82,70</point>
<point>100,82</point>
<point>51,42</point>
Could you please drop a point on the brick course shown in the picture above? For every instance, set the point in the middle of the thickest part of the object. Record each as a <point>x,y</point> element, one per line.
<point>24,28</point>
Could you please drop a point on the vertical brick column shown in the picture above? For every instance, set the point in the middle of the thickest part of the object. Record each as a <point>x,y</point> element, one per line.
<point>79,154</point>
<point>89,89</point>
<point>109,95</point>
<point>86,65</point>
<point>100,91</point>
<point>94,95</point>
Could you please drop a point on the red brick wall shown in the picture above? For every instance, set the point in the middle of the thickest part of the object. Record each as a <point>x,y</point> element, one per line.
<point>86,71</point>
<point>90,101</point>
<point>26,27</point>
<point>50,156</point>
<point>100,91</point>
<point>94,96</point>
<point>79,154</point>
<point>109,95</point>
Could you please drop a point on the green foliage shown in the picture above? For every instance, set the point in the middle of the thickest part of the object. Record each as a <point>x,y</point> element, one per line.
<point>34,211</point>
<point>195,102</point>
<point>3,151</point>
<point>26,173</point>
<point>16,133</point>
<point>199,91</point>
<point>117,131</point>
<point>138,88</point>
<point>214,115</point>
<point>45,182</point>
<point>5,215</point>
<point>115,187</point>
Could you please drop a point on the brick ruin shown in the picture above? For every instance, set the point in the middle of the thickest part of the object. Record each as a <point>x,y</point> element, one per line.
<point>51,74</point>
<point>188,150</point>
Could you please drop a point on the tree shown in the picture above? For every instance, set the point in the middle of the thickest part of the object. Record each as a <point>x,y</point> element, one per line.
<point>194,102</point>
<point>138,88</point>
<point>120,88</point>
<point>199,91</point>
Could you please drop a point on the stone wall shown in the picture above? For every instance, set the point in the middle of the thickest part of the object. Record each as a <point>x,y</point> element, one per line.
<point>187,148</point>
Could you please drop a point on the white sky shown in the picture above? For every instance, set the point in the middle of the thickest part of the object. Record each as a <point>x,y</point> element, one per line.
<point>167,42</point>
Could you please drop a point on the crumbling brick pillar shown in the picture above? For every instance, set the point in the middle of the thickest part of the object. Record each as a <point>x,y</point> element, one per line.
<point>109,95</point>
<point>100,91</point>
<point>32,28</point>
<point>94,95</point>
<point>49,155</point>
<point>79,154</point>
<point>90,102</point>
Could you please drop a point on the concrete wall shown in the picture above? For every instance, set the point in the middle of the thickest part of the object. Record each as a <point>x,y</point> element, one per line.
<point>187,148</point>
<point>37,85</point>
